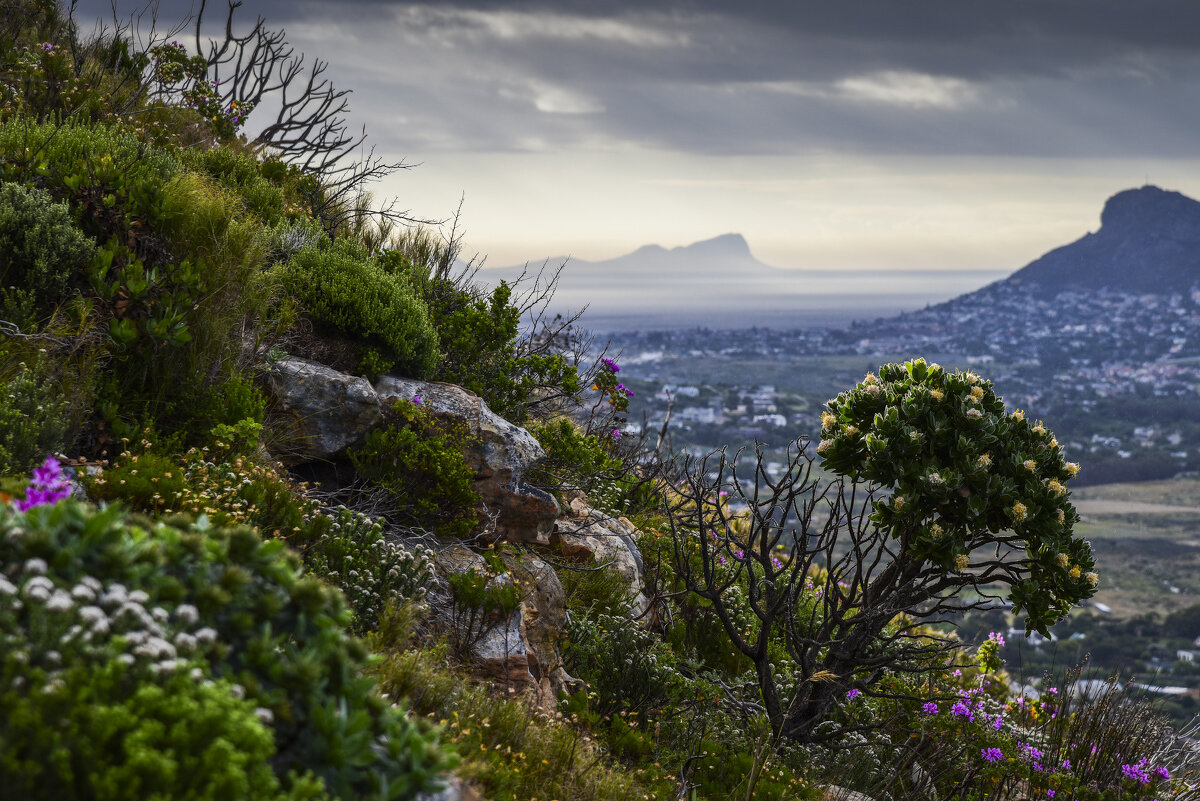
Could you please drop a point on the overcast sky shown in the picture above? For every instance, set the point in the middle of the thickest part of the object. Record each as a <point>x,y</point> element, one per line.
<point>853,134</point>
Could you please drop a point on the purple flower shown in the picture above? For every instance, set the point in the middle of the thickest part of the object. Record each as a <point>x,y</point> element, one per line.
<point>930,708</point>
<point>1050,793</point>
<point>1066,764</point>
<point>47,487</point>
<point>962,709</point>
<point>1137,772</point>
<point>417,399</point>
<point>992,754</point>
<point>616,433</point>
<point>997,722</point>
<point>852,694</point>
<point>612,366</point>
<point>997,638</point>
<point>1163,774</point>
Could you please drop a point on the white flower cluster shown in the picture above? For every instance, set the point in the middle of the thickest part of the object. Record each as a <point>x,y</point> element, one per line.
<point>54,626</point>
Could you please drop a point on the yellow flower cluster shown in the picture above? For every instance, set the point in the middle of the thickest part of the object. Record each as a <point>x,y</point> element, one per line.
<point>1019,511</point>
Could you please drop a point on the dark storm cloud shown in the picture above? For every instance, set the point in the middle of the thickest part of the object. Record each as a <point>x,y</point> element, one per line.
<point>1035,77</point>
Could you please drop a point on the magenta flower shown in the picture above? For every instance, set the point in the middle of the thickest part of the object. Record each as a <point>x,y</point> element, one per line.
<point>47,487</point>
<point>930,708</point>
<point>992,754</point>
<point>852,694</point>
<point>612,366</point>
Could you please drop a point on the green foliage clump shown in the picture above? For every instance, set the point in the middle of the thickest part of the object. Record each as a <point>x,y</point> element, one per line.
<point>418,460</point>
<point>961,469</point>
<point>234,607</point>
<point>32,417</point>
<point>42,252</point>
<point>242,173</point>
<point>346,292</point>
<point>371,570</point>
<point>480,601</point>
<point>508,750</point>
<point>479,333</point>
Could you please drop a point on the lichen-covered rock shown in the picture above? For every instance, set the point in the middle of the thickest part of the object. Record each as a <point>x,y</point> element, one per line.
<point>523,652</point>
<point>331,412</point>
<point>328,411</point>
<point>585,532</point>
<point>543,623</point>
<point>501,455</point>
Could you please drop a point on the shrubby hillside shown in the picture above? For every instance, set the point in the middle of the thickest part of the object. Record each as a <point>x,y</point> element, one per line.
<point>292,508</point>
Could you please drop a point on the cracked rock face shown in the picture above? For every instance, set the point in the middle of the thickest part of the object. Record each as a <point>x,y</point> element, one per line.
<point>585,531</point>
<point>329,411</point>
<point>332,411</point>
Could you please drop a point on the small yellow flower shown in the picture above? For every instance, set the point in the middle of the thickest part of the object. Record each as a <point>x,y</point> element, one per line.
<point>851,431</point>
<point>1019,511</point>
<point>984,461</point>
<point>936,394</point>
<point>972,379</point>
<point>828,420</point>
<point>1029,464</point>
<point>1074,571</point>
<point>824,446</point>
<point>1092,579</point>
<point>915,436</point>
<point>898,502</point>
<point>1056,486</point>
<point>1018,415</point>
<point>870,379</point>
<point>1073,468</point>
<point>1062,518</point>
<point>976,394</point>
<point>1062,559</point>
<point>1038,428</point>
<point>961,561</point>
<point>936,479</point>
<point>936,531</point>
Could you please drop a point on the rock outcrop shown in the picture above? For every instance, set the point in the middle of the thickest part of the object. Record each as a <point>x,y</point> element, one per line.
<point>521,653</point>
<point>585,531</point>
<point>331,412</point>
<point>499,452</point>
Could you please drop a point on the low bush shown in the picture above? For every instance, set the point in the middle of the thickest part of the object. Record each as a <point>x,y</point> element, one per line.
<point>371,570</point>
<point>480,602</point>
<point>345,292</point>
<point>417,459</point>
<point>184,598</point>
<point>510,751</point>
<point>479,332</point>
<point>42,252</point>
<point>32,417</point>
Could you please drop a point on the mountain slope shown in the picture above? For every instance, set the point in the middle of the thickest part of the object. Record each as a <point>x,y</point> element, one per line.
<point>1148,242</point>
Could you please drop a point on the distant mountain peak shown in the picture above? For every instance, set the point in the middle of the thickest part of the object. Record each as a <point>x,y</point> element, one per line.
<point>725,245</point>
<point>1148,207</point>
<point>1148,242</point>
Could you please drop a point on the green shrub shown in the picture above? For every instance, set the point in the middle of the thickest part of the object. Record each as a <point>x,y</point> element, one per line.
<point>346,292</point>
<point>42,252</point>
<point>479,603</point>
<point>479,333</point>
<point>249,618</point>
<point>371,571</point>
<point>960,470</point>
<point>418,460</point>
<point>243,174</point>
<point>32,417</point>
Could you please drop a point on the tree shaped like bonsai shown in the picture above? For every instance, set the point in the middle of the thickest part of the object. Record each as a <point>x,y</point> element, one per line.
<point>943,499</point>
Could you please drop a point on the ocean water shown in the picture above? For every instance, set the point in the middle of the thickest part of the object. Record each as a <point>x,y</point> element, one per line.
<point>797,299</point>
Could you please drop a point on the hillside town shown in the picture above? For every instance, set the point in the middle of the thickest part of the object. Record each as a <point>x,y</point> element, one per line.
<point>1091,363</point>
